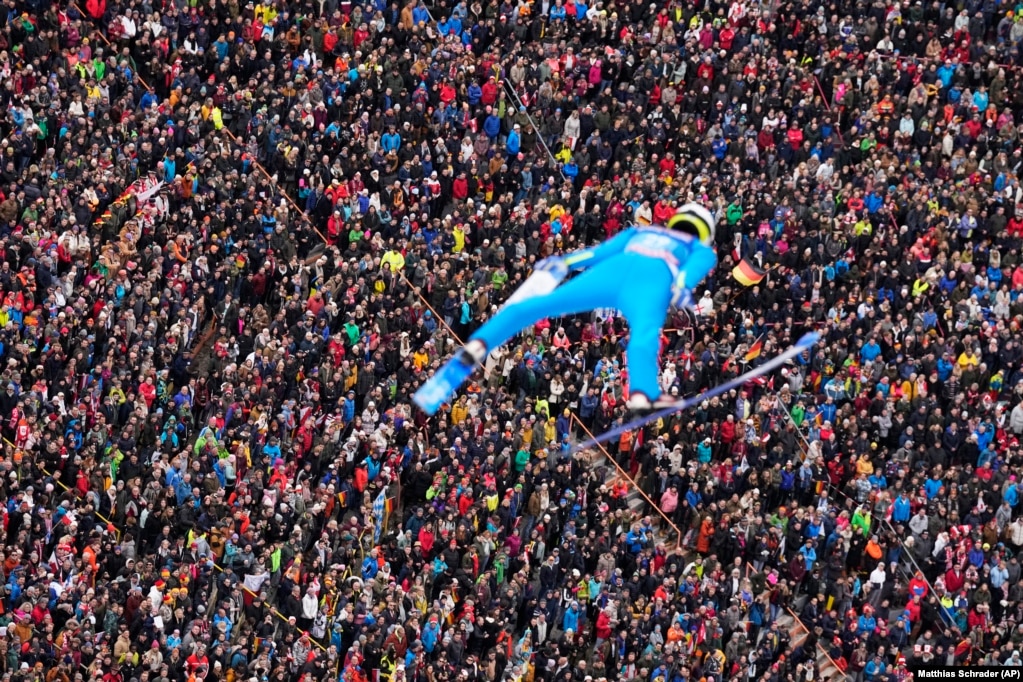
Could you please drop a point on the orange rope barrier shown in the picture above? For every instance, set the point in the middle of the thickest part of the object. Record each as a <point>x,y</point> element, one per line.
<point>624,474</point>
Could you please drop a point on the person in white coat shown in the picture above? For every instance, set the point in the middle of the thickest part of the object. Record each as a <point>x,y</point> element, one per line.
<point>1016,419</point>
<point>571,130</point>
<point>706,304</point>
<point>310,604</point>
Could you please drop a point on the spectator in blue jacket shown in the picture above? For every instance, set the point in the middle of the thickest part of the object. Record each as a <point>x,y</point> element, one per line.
<point>513,144</point>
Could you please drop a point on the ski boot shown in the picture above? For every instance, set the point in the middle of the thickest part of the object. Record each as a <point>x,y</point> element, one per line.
<point>449,377</point>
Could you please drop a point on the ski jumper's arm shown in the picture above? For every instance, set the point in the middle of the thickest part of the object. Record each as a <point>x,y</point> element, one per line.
<point>697,265</point>
<point>585,258</point>
<point>551,271</point>
<point>701,261</point>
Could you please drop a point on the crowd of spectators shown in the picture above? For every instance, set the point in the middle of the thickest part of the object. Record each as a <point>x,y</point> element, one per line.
<point>234,239</point>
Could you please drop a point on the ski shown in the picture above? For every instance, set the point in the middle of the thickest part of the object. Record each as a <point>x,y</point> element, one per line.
<point>804,343</point>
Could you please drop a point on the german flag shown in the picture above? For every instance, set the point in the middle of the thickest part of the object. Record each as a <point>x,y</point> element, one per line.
<point>748,273</point>
<point>754,351</point>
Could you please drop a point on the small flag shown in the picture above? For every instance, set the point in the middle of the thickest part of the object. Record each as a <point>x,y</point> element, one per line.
<point>748,273</point>
<point>378,514</point>
<point>754,351</point>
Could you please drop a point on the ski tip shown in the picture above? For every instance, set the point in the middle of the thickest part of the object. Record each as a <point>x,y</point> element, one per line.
<point>808,340</point>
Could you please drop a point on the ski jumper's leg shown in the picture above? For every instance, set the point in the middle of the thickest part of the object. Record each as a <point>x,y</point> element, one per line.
<point>644,303</point>
<point>591,289</point>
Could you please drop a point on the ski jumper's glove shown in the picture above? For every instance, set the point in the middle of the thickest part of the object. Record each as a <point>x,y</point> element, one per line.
<point>557,267</point>
<point>682,297</point>
<point>547,275</point>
